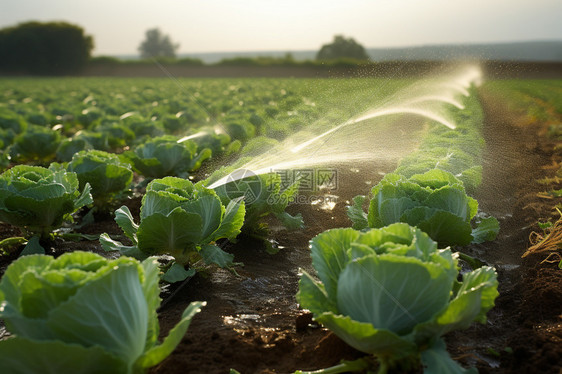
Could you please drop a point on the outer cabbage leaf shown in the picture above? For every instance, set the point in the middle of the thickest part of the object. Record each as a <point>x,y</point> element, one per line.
<point>434,201</point>
<point>165,156</point>
<point>356,213</point>
<point>182,220</point>
<point>392,293</point>
<point>40,199</point>
<point>106,174</point>
<point>172,233</point>
<point>158,353</point>
<point>366,338</point>
<point>232,221</point>
<point>486,230</point>
<point>95,315</point>
<point>436,360</point>
<point>329,256</point>
<point>55,357</point>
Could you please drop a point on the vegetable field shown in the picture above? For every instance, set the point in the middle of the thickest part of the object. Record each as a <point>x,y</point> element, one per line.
<point>189,226</point>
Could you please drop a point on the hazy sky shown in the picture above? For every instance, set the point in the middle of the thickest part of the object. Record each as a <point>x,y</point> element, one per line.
<point>118,26</point>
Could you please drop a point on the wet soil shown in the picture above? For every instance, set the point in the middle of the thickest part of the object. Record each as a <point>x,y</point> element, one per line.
<point>252,322</point>
<point>524,330</point>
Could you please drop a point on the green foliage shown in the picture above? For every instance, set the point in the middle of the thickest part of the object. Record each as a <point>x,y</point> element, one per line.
<point>258,145</point>
<point>39,199</point>
<point>157,44</point>
<point>435,201</point>
<point>82,313</point>
<point>264,195</point>
<point>218,143</point>
<point>429,188</point>
<point>50,48</point>
<point>182,220</point>
<point>37,145</point>
<point>69,147</point>
<point>165,156</point>
<point>342,47</point>
<point>391,293</point>
<point>4,161</point>
<point>537,100</point>
<point>107,175</point>
<point>12,122</point>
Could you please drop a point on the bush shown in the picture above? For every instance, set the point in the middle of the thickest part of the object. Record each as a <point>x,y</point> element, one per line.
<point>51,48</point>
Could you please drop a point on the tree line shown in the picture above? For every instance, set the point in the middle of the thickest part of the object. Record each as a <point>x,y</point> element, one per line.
<point>60,48</point>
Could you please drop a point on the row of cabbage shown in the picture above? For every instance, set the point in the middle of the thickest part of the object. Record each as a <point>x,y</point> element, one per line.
<point>391,285</point>
<point>50,120</point>
<point>43,126</point>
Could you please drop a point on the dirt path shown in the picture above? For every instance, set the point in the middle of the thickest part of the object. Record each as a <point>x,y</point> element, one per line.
<point>523,333</point>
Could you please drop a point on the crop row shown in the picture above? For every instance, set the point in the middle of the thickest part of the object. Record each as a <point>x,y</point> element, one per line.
<point>388,286</point>
<point>384,286</point>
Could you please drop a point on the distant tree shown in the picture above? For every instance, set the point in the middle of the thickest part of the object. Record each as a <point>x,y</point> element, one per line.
<point>157,44</point>
<point>342,47</point>
<point>44,48</point>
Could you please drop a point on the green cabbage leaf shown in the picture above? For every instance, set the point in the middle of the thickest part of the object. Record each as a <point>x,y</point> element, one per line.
<point>392,293</point>
<point>82,313</point>
<point>179,219</point>
<point>39,200</point>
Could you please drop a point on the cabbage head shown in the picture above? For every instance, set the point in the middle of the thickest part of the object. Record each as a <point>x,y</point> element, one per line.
<point>82,313</point>
<point>391,293</point>
<point>38,199</point>
<point>108,176</point>
<point>264,195</point>
<point>182,220</point>
<point>435,201</point>
<point>165,156</point>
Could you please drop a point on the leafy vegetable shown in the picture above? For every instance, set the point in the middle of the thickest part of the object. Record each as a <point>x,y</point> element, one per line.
<point>434,201</point>
<point>182,220</point>
<point>82,313</point>
<point>105,173</point>
<point>391,293</point>
<point>39,199</point>
<point>81,141</point>
<point>118,135</point>
<point>165,156</point>
<point>4,161</point>
<point>37,145</point>
<point>263,194</point>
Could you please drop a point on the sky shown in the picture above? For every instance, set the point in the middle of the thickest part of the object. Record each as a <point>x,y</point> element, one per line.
<point>118,26</point>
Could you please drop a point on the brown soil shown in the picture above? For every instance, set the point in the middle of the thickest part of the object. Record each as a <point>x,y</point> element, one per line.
<point>524,330</point>
<point>252,322</point>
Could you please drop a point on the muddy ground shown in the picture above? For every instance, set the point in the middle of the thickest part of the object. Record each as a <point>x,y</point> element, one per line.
<point>253,324</point>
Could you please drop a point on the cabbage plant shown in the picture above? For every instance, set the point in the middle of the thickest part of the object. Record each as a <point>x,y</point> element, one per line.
<point>108,176</point>
<point>434,201</point>
<point>391,293</point>
<point>38,199</point>
<point>179,219</point>
<point>165,156</point>
<point>37,145</point>
<point>264,195</point>
<point>82,313</point>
